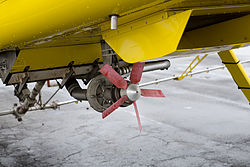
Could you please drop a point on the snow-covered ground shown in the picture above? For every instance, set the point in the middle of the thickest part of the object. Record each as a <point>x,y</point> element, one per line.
<point>203,121</point>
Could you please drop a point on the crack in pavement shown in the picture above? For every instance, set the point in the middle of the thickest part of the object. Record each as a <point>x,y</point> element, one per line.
<point>70,155</point>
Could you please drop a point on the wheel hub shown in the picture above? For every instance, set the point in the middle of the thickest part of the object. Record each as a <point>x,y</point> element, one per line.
<point>101,95</point>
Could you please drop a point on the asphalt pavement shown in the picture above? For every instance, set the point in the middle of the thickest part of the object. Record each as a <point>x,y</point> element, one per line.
<point>203,121</point>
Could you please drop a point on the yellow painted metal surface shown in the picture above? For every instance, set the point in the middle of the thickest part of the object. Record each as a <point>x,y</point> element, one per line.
<point>197,60</point>
<point>187,4</point>
<point>90,33</point>
<point>237,71</point>
<point>227,9</point>
<point>23,21</point>
<point>232,32</point>
<point>46,23</point>
<point>157,26</point>
<point>149,38</point>
<point>46,58</point>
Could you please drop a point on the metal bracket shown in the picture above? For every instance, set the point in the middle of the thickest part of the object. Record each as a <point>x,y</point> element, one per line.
<point>22,84</point>
<point>68,75</point>
<point>92,73</point>
<point>3,65</point>
<point>21,90</point>
<point>192,65</point>
<point>7,60</point>
<point>109,55</point>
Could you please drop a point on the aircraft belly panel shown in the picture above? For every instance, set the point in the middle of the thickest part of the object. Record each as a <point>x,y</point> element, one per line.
<point>55,57</point>
<point>149,38</point>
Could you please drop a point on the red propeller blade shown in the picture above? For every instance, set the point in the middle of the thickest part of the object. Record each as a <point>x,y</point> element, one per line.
<point>135,76</point>
<point>114,77</point>
<point>137,115</point>
<point>114,106</point>
<point>151,93</point>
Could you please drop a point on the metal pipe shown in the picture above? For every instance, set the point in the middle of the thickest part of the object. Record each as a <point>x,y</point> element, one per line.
<point>190,74</point>
<point>38,87</point>
<point>75,90</point>
<point>149,66</point>
<point>157,65</point>
<point>31,100</point>
<point>4,113</point>
<point>114,22</point>
<point>37,108</point>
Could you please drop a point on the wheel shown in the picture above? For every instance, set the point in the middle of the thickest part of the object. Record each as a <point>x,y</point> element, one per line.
<point>101,94</point>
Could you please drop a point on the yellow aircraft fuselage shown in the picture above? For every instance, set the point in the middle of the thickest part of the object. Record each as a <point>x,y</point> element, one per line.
<point>26,20</point>
<point>50,34</point>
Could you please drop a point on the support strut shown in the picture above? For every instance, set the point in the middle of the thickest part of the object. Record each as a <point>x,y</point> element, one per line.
<point>237,71</point>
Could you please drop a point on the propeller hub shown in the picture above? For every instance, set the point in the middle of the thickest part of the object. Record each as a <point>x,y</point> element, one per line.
<point>133,92</point>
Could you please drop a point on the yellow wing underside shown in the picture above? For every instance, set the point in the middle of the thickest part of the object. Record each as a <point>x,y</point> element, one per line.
<point>51,34</point>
